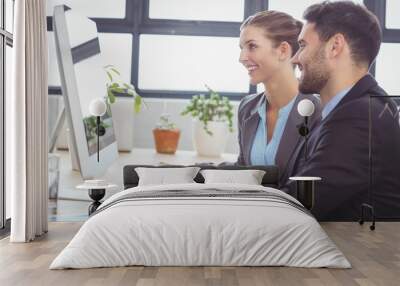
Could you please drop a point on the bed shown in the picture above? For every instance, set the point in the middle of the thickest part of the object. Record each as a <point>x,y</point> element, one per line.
<point>201,224</point>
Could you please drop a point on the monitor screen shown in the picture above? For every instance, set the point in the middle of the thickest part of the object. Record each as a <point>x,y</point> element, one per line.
<point>83,79</point>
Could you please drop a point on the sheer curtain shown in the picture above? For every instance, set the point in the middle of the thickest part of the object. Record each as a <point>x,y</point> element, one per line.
<point>27,123</point>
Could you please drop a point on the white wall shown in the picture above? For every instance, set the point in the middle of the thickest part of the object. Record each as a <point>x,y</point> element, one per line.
<point>145,121</point>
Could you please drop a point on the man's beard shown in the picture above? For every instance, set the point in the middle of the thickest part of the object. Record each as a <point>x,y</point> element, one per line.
<point>315,75</point>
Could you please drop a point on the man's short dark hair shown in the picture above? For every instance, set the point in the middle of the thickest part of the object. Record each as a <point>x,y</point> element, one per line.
<point>359,27</point>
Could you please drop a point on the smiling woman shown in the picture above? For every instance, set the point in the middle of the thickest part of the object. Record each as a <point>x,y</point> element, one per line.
<point>268,40</point>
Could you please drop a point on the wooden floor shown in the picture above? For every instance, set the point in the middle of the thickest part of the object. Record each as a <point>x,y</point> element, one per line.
<point>375,257</point>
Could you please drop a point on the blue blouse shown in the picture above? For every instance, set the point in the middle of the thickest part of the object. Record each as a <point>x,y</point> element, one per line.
<point>263,152</point>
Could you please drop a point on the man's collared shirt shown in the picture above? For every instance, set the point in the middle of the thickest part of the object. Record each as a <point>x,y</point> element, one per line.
<point>334,102</point>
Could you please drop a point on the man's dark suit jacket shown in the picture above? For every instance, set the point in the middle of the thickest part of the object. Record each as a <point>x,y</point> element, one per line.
<point>248,119</point>
<point>339,154</point>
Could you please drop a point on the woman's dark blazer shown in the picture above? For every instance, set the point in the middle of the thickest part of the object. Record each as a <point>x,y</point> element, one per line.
<point>248,119</point>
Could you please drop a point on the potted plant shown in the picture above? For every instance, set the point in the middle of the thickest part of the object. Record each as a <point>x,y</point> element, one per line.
<point>166,135</point>
<point>122,108</point>
<point>115,88</point>
<point>212,116</point>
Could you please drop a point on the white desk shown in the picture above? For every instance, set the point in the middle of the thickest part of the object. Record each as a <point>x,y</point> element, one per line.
<point>69,179</point>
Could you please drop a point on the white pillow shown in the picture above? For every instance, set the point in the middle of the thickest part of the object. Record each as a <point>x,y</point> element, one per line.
<point>248,177</point>
<point>164,176</point>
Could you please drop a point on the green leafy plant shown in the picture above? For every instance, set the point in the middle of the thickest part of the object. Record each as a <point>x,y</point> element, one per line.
<point>114,88</point>
<point>165,123</point>
<point>211,108</point>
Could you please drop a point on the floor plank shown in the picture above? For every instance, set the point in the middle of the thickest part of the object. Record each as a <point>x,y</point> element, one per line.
<point>375,257</point>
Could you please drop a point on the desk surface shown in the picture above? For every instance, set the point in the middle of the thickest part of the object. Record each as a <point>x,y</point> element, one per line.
<point>69,179</point>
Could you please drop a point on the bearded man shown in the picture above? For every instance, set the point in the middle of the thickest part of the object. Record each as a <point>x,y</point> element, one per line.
<point>338,44</point>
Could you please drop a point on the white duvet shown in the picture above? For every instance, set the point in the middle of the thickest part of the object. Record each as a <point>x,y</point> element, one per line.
<point>200,231</point>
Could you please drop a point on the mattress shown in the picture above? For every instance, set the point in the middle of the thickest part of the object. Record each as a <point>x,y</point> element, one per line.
<point>201,225</point>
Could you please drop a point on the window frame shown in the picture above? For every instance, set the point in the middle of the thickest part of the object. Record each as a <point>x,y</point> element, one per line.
<point>137,22</point>
<point>6,39</point>
<point>378,7</point>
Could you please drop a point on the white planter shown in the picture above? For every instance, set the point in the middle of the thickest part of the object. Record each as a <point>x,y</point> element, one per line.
<point>122,114</point>
<point>210,145</point>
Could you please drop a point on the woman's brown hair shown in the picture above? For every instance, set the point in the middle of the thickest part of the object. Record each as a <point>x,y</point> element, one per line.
<point>278,26</point>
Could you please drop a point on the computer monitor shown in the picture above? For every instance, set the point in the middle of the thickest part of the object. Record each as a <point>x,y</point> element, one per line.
<point>82,80</point>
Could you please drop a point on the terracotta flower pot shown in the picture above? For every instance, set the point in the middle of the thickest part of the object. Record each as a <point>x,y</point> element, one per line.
<point>166,140</point>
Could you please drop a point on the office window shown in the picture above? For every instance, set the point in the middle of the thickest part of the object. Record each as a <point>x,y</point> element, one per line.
<point>294,8</point>
<point>8,84</point>
<point>205,10</point>
<point>9,15</point>
<point>6,28</point>
<point>392,14</point>
<point>218,21</point>
<point>121,45</point>
<point>190,62</point>
<point>92,8</point>
<point>54,74</point>
<point>387,63</point>
<point>155,26</point>
<point>116,49</point>
<point>2,131</point>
